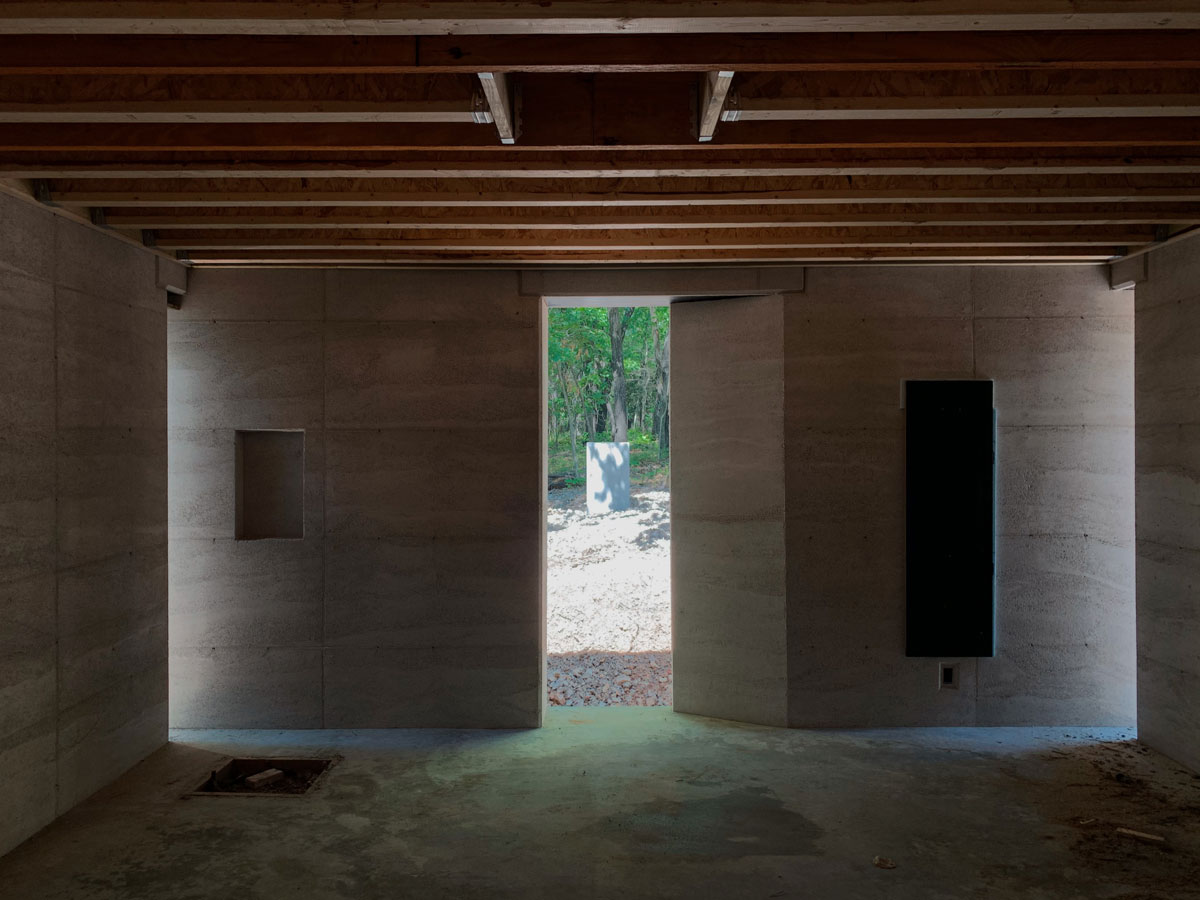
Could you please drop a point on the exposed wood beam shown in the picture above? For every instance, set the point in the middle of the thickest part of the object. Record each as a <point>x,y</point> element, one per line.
<point>499,96</point>
<point>580,16</point>
<point>956,95</point>
<point>343,256</point>
<point>936,133</point>
<point>851,51</point>
<point>1109,106</point>
<point>434,98</point>
<point>611,164</point>
<point>714,91</point>
<point>666,239</point>
<point>216,111</point>
<point>448,98</point>
<point>227,98</point>
<point>232,54</point>
<point>635,192</point>
<point>634,217</point>
<point>961,133</point>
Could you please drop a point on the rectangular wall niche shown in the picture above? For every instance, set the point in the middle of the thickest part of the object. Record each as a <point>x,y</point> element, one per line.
<point>270,485</point>
<point>951,518</point>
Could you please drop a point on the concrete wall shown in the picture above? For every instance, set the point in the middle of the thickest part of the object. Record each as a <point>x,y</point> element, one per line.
<point>1168,502</point>
<point>414,597</point>
<point>1059,345</point>
<point>83,651</point>
<point>728,557</point>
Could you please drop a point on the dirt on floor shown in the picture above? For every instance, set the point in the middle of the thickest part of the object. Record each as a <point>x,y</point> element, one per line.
<point>608,601</point>
<point>1130,808</point>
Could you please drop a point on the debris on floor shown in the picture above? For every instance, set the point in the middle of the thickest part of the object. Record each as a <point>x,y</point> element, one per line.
<point>883,862</point>
<point>1141,836</point>
<point>262,779</point>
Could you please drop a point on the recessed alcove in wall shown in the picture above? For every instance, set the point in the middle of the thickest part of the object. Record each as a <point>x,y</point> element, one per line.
<point>270,485</point>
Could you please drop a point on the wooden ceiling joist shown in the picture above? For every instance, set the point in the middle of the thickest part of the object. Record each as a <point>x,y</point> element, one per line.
<point>272,132</point>
<point>682,192</point>
<point>235,111</point>
<point>456,98</point>
<point>343,256</point>
<point>232,54</point>
<point>233,99</point>
<point>958,95</point>
<point>666,239</point>
<point>634,217</point>
<point>579,133</point>
<point>415,17</point>
<point>611,165</point>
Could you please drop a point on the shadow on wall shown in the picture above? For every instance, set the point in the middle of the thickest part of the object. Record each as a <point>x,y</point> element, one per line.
<point>607,476</point>
<point>605,678</point>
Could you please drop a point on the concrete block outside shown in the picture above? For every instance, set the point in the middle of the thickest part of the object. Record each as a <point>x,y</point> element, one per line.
<point>607,476</point>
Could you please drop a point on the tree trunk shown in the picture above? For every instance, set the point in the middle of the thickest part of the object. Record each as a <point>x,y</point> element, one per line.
<point>618,321</point>
<point>647,374</point>
<point>572,413</point>
<point>662,406</point>
<point>575,446</point>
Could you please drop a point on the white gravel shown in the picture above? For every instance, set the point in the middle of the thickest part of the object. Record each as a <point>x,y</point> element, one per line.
<point>608,598</point>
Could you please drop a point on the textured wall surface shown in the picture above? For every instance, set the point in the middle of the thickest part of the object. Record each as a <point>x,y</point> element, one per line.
<point>1168,502</point>
<point>83,651</point>
<point>1059,346</point>
<point>728,560</point>
<point>414,597</point>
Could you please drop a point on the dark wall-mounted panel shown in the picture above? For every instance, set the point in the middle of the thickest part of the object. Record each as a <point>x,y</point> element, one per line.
<point>951,518</point>
<point>270,484</point>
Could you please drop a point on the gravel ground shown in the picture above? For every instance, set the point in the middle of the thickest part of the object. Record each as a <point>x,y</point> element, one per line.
<point>608,598</point>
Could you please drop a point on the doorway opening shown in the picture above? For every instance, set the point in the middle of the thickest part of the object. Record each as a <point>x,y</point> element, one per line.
<point>608,516</point>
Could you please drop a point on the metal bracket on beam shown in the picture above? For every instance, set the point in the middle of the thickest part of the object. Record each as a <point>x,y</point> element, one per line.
<point>500,102</point>
<point>480,113</point>
<point>713,93</point>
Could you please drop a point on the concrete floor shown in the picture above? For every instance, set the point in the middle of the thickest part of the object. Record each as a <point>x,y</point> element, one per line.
<point>638,803</point>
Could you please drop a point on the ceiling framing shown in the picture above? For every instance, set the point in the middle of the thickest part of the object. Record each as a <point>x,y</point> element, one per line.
<point>331,133</point>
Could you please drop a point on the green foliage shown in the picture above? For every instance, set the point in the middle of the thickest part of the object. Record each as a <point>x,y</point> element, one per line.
<point>580,381</point>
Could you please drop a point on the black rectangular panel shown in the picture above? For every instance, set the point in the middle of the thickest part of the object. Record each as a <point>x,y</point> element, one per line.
<point>951,518</point>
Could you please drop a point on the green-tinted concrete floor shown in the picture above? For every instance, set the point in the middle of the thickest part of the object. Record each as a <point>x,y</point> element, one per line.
<point>638,803</point>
